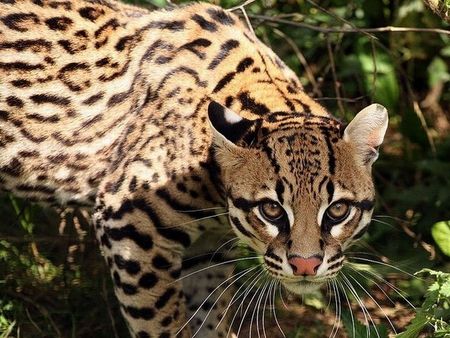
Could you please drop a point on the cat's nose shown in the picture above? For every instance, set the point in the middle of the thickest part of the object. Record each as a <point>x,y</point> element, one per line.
<point>305,266</point>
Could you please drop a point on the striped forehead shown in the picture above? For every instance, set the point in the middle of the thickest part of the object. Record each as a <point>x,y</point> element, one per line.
<point>302,156</point>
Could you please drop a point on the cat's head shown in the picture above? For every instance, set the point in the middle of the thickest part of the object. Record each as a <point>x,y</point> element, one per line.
<point>299,187</point>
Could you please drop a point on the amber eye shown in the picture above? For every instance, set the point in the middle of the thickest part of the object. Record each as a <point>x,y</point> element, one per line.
<point>271,211</point>
<point>338,211</point>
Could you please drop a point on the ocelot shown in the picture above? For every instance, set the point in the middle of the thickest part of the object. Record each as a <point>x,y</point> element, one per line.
<point>159,121</point>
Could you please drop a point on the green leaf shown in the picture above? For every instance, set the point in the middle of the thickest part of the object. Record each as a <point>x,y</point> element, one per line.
<point>437,72</point>
<point>356,329</point>
<point>441,235</point>
<point>416,326</point>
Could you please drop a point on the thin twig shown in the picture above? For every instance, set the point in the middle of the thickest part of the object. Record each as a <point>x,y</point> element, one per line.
<point>391,29</point>
<point>241,7</point>
<point>335,79</point>
<point>302,59</point>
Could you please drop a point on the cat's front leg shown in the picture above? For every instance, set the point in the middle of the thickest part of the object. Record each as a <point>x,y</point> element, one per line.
<point>144,256</point>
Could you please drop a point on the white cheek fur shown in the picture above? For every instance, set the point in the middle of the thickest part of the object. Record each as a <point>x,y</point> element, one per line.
<point>336,230</point>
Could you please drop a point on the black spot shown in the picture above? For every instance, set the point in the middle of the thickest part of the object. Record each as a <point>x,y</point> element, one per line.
<point>13,101</point>
<point>91,13</point>
<point>142,334</point>
<point>21,83</point>
<point>166,321</point>
<point>128,289</point>
<point>148,280</point>
<point>59,23</point>
<point>13,21</point>
<point>129,231</point>
<point>140,313</point>
<point>48,98</point>
<point>164,298</point>
<point>161,262</point>
<point>165,334</point>
<point>131,266</point>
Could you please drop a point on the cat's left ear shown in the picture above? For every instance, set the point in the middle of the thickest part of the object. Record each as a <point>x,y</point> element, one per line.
<point>228,127</point>
<point>366,132</point>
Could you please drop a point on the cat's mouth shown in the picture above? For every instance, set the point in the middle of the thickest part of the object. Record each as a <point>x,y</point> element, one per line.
<point>303,286</point>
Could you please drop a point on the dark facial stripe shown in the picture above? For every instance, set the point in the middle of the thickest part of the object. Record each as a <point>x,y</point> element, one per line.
<point>272,265</point>
<point>279,188</point>
<point>331,159</point>
<point>237,223</point>
<point>365,205</point>
<point>330,190</point>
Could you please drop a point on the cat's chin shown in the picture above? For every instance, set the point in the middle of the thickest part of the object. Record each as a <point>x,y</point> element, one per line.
<point>303,287</point>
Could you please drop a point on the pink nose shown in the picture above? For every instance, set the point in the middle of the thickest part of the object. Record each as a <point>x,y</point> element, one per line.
<point>305,266</point>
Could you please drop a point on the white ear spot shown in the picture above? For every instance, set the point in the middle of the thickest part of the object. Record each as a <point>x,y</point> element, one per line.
<point>366,132</point>
<point>231,117</point>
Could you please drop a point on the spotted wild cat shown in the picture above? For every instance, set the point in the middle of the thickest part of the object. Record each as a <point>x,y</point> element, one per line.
<point>155,119</point>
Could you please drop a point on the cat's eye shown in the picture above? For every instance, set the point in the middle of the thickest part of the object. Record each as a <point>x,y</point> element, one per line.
<point>338,211</point>
<point>271,211</point>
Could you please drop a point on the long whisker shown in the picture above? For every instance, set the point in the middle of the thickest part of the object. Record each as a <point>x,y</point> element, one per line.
<point>213,266</point>
<point>371,279</point>
<point>197,210</point>
<point>196,220</point>
<point>264,310</point>
<point>373,299</point>
<point>247,291</point>
<point>336,310</point>
<point>385,223</point>
<point>339,283</point>
<point>223,314</point>
<point>206,299</point>
<point>394,218</point>
<point>358,300</point>
<point>392,286</point>
<point>247,308</point>
<point>383,263</point>
<point>259,308</point>
<point>240,274</point>
<point>235,239</point>
<point>274,307</point>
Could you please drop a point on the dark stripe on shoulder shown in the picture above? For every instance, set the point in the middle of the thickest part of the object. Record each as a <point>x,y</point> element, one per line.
<point>49,98</point>
<point>129,231</point>
<point>204,24</point>
<point>221,16</point>
<point>225,49</point>
<point>170,233</point>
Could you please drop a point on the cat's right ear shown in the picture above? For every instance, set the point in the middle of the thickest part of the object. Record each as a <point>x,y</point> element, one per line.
<point>229,128</point>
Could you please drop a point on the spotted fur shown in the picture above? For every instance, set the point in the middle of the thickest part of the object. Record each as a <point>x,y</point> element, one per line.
<point>152,120</point>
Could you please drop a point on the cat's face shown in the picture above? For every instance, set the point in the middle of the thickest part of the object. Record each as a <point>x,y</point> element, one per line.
<point>299,188</point>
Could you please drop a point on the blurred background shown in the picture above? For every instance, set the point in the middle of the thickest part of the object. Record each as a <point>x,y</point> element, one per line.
<point>347,54</point>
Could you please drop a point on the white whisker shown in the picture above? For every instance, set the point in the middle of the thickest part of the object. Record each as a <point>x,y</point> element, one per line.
<point>213,266</point>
